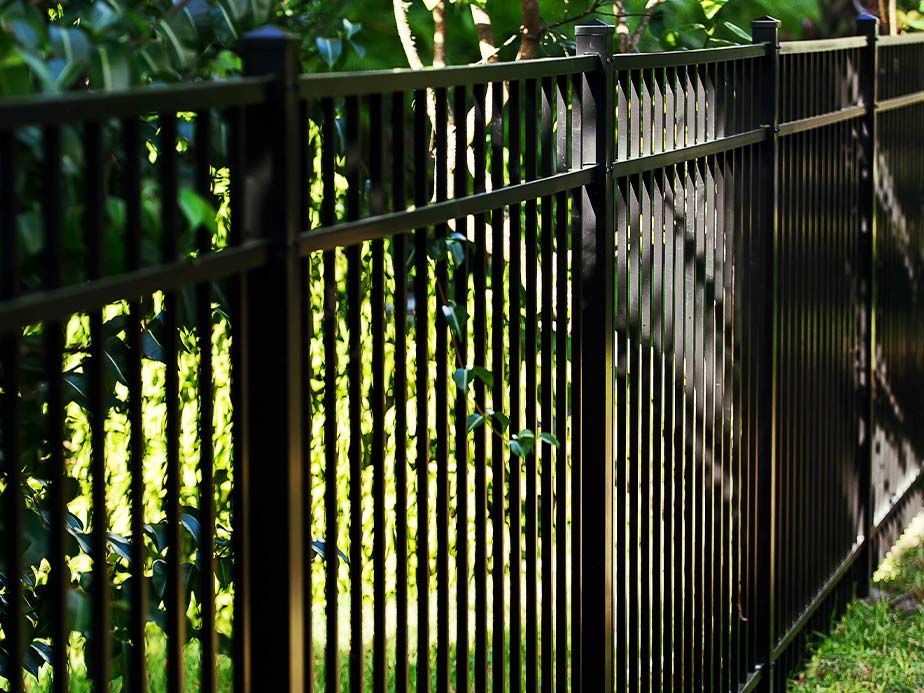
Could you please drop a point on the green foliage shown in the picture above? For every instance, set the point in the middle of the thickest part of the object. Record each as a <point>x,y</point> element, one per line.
<point>876,646</point>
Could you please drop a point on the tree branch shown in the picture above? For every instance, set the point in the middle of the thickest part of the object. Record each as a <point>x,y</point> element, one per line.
<point>406,35</point>
<point>622,25</point>
<point>650,7</point>
<point>482,21</point>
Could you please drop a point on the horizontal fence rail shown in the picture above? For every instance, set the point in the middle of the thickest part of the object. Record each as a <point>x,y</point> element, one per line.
<point>597,372</point>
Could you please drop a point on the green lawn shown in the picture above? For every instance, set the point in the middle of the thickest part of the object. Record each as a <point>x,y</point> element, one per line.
<point>878,645</point>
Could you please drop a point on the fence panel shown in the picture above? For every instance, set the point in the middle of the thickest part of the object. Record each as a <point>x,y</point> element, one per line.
<point>385,373</point>
<point>819,527</point>
<point>114,386</point>
<point>897,442</point>
<point>453,273</point>
<point>685,170</point>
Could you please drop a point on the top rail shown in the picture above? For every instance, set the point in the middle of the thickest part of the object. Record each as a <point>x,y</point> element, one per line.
<point>822,45</point>
<point>640,61</point>
<point>385,81</point>
<point>102,105</point>
<point>901,39</point>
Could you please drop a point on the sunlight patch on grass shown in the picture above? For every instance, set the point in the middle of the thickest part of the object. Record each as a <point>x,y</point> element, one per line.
<point>878,645</point>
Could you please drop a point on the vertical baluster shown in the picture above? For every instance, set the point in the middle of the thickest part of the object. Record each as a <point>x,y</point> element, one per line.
<point>479,336</point>
<point>99,663</point>
<point>307,176</point>
<point>377,394</point>
<point>498,389</point>
<point>422,394</point>
<point>561,391</point>
<point>14,624</point>
<point>676,174</point>
<point>671,555</point>
<point>329,323</point>
<point>59,578</point>
<point>577,469</point>
<point>531,147</point>
<point>206,560</point>
<point>441,167</point>
<point>354,297</point>
<point>515,311</point>
<point>400,269</point>
<point>546,420</point>
<point>709,441</point>
<point>239,405</point>
<point>174,601</point>
<point>139,595</point>
<point>622,374</point>
<point>459,333</point>
<point>645,392</point>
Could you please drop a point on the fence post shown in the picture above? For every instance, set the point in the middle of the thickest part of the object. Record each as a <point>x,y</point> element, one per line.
<point>867,26</point>
<point>272,468</point>
<point>594,130</point>
<point>767,30</point>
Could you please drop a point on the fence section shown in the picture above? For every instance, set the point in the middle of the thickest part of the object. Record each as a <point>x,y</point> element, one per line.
<point>820,313</point>
<point>519,376</point>
<point>444,302</point>
<point>103,400</point>
<point>897,267</point>
<point>687,210</point>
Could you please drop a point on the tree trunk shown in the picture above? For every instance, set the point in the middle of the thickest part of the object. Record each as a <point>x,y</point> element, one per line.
<point>530,30</point>
<point>439,34</point>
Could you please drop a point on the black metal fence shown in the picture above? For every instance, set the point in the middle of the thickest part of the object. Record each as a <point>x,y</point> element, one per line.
<point>696,274</point>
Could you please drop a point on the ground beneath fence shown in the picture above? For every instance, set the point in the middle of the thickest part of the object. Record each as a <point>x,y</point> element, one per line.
<point>878,645</point>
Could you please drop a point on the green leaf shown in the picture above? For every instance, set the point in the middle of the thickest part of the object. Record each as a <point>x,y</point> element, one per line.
<point>738,31</point>
<point>79,609</point>
<point>484,375</point>
<point>501,420</point>
<point>198,211</point>
<point>158,535</point>
<point>191,523</point>
<point>71,44</point>
<point>29,33</point>
<point>76,389</point>
<point>117,355</point>
<point>350,29</point>
<point>455,317</point>
<point>260,10</point>
<point>550,439</point>
<point>69,74</point>
<point>522,443</point>
<point>519,449</point>
<point>461,379</point>
<point>359,48</point>
<point>110,69</point>
<point>320,548</point>
<point>152,346</point>
<point>181,37</point>
<point>712,7</point>
<point>41,71</point>
<point>30,233</point>
<point>474,421</point>
<point>120,545</point>
<point>160,577</point>
<point>330,49</point>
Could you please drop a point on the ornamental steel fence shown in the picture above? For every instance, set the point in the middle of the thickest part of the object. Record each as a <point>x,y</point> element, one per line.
<point>598,372</point>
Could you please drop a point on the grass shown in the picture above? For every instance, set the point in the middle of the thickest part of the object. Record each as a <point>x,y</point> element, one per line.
<point>79,681</point>
<point>878,645</point>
